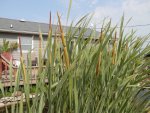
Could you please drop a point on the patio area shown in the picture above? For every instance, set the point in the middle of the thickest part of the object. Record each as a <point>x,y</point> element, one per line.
<point>8,76</point>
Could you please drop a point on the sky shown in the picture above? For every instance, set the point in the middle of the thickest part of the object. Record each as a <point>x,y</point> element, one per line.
<point>38,10</point>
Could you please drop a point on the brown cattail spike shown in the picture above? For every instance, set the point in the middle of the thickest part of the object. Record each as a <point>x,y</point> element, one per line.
<point>50,31</point>
<point>63,42</point>
<point>20,46</point>
<point>50,22</point>
<point>101,36</point>
<point>114,49</point>
<point>98,64</point>
<point>100,55</point>
<point>55,45</point>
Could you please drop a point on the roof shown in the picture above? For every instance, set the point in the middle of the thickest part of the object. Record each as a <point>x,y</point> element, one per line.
<point>21,26</point>
<point>28,27</point>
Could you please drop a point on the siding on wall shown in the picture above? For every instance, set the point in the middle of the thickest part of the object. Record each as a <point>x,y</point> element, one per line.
<point>14,38</point>
<point>10,37</point>
<point>36,45</point>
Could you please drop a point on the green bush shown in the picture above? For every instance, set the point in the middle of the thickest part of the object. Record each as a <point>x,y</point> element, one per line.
<point>7,46</point>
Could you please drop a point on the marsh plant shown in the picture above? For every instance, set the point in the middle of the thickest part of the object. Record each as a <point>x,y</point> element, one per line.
<point>103,73</point>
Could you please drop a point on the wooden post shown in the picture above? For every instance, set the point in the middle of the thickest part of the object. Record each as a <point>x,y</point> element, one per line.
<point>0,67</point>
<point>6,70</point>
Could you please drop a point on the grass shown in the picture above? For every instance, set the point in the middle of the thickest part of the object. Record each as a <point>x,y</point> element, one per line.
<point>88,77</point>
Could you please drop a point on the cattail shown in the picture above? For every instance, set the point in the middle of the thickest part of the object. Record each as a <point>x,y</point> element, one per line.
<point>114,49</point>
<point>48,39</point>
<point>20,46</point>
<point>108,48</point>
<point>126,48</point>
<point>21,60</point>
<point>50,31</point>
<point>50,23</point>
<point>63,42</point>
<point>55,46</point>
<point>40,42</point>
<point>101,36</point>
<point>98,64</point>
<point>100,55</point>
<point>40,53</point>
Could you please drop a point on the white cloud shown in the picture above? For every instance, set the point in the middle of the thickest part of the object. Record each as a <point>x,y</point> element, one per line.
<point>93,2</point>
<point>139,10</point>
<point>137,5</point>
<point>107,12</point>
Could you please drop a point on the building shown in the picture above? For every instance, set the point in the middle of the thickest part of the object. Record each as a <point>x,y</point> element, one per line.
<point>28,32</point>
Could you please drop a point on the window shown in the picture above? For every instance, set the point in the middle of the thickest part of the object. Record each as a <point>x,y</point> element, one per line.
<point>26,43</point>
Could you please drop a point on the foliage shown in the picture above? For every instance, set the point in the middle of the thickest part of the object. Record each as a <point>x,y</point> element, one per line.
<point>13,46</point>
<point>88,76</point>
<point>7,46</point>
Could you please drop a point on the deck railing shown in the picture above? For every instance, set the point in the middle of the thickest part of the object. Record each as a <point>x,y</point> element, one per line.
<point>4,69</point>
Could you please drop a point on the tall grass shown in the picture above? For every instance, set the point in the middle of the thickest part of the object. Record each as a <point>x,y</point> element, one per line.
<point>89,76</point>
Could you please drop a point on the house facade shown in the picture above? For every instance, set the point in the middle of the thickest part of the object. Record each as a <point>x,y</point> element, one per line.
<point>28,32</point>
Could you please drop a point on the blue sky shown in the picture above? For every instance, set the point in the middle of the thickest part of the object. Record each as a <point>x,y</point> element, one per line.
<point>38,10</point>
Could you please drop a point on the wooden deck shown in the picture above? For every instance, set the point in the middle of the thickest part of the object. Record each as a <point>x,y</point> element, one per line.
<point>6,61</point>
<point>8,83</point>
<point>5,75</point>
